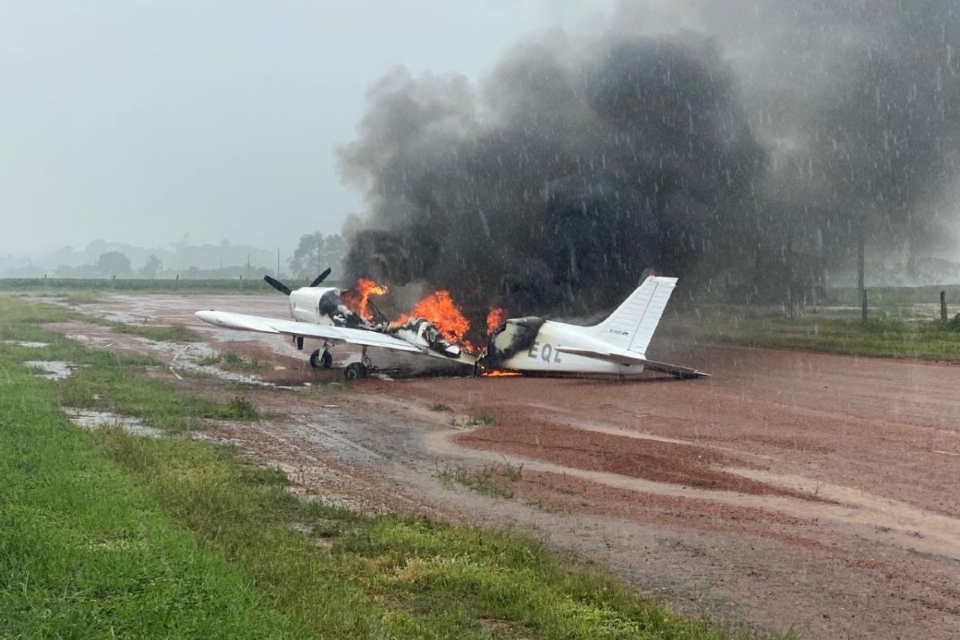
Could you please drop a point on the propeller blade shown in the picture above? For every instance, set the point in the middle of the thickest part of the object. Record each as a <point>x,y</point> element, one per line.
<point>276,284</point>
<point>321,277</point>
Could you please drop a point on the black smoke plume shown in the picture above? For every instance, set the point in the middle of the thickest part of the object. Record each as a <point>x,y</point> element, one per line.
<point>578,164</point>
<point>562,181</point>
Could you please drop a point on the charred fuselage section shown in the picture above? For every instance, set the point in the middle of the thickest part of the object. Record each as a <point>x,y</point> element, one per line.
<point>418,331</point>
<point>510,339</point>
<point>331,306</point>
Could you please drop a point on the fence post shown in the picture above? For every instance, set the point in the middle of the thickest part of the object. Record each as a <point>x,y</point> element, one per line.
<point>943,307</point>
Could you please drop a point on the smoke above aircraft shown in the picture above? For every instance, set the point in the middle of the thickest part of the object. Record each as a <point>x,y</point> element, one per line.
<point>583,159</point>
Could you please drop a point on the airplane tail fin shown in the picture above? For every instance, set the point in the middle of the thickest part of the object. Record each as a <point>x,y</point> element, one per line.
<point>631,326</point>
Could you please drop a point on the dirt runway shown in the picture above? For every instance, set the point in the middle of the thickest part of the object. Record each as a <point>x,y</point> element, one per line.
<point>798,490</point>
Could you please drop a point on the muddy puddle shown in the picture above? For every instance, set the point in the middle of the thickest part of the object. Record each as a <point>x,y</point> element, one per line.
<point>51,369</point>
<point>89,419</point>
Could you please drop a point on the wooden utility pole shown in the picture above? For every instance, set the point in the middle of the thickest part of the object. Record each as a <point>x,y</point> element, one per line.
<point>861,288</point>
<point>791,297</point>
<point>943,307</point>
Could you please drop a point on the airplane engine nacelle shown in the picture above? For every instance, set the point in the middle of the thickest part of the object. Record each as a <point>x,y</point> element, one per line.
<point>306,303</point>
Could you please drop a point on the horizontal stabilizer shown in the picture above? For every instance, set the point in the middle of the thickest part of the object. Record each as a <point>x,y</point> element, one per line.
<point>675,370</point>
<point>629,359</point>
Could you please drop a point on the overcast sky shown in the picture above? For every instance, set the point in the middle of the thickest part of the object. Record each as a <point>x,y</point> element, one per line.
<point>141,121</point>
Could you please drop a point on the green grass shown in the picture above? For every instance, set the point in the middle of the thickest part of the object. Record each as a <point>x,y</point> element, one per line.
<point>892,297</point>
<point>87,551</point>
<point>952,325</point>
<point>106,534</point>
<point>123,389</point>
<point>878,338</point>
<point>229,361</point>
<point>233,362</point>
<point>489,480</point>
<point>473,420</point>
<point>481,419</point>
<point>159,333</point>
<point>831,331</point>
<point>104,380</point>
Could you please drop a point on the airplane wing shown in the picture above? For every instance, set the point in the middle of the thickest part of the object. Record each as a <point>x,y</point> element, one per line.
<point>630,359</point>
<point>262,324</point>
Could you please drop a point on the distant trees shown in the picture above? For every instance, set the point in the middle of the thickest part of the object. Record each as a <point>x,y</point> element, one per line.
<point>113,263</point>
<point>80,271</point>
<point>315,253</point>
<point>151,268</point>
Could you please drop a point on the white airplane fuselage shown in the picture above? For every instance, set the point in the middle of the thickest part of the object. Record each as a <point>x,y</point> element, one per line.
<point>518,345</point>
<point>617,346</point>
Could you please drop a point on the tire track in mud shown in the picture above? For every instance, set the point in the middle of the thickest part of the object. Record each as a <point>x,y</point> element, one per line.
<point>655,460</point>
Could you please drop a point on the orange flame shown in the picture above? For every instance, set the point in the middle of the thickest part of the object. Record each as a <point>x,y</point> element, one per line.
<point>439,309</point>
<point>495,318</point>
<point>357,299</point>
<point>500,373</point>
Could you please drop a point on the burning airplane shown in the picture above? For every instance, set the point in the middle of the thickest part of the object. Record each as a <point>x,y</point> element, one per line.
<point>436,327</point>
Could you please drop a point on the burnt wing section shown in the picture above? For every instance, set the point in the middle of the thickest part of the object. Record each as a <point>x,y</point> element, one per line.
<point>425,330</point>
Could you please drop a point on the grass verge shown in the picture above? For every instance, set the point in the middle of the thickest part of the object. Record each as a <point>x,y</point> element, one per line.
<point>828,332</point>
<point>108,534</point>
<point>85,549</point>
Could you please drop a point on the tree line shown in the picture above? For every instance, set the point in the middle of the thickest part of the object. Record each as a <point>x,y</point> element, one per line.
<point>314,253</point>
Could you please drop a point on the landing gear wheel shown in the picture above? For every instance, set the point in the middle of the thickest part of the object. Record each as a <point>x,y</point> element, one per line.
<point>321,358</point>
<point>354,370</point>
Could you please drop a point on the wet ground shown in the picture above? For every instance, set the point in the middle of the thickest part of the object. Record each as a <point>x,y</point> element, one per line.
<point>805,491</point>
<point>51,369</point>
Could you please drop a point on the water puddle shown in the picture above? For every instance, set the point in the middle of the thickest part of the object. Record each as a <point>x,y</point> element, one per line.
<point>89,419</point>
<point>52,369</point>
<point>28,345</point>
